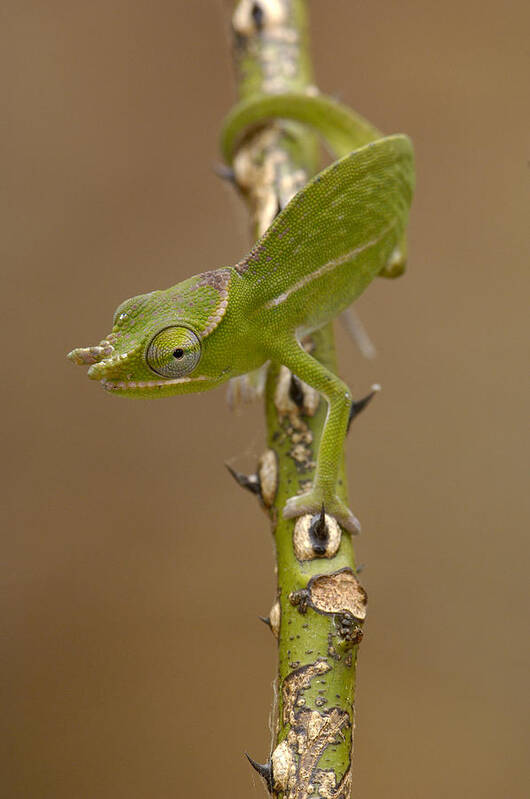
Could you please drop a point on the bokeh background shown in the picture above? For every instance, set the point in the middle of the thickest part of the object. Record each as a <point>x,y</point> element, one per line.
<point>133,568</point>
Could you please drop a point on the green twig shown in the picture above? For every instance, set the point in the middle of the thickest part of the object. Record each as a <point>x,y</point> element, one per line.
<point>320,606</point>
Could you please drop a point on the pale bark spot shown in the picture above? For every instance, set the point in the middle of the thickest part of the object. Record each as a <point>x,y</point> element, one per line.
<point>268,477</point>
<point>274,619</point>
<point>303,544</point>
<point>338,593</point>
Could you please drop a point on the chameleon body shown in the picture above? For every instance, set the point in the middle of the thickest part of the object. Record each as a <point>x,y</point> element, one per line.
<point>340,231</point>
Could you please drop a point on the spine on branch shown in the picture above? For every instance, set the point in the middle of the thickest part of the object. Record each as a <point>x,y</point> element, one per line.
<point>320,606</point>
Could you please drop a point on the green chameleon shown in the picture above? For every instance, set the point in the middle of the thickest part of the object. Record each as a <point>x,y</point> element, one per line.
<point>342,229</point>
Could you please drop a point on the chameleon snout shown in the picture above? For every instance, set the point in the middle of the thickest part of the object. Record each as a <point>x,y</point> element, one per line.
<point>105,362</point>
<point>102,360</point>
<point>113,368</point>
<point>86,356</point>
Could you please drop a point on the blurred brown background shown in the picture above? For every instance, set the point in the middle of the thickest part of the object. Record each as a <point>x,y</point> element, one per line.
<point>133,568</point>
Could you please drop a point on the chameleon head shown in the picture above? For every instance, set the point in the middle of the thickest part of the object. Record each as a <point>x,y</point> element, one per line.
<point>156,347</point>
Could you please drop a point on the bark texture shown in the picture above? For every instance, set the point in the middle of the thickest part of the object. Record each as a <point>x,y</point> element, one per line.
<point>320,606</point>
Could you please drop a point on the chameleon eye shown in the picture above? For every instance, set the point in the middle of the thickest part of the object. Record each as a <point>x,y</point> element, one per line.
<point>174,352</point>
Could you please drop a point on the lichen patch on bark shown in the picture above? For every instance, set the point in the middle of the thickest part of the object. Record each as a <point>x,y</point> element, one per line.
<point>295,760</point>
<point>328,788</point>
<point>255,177</point>
<point>291,410</point>
<point>341,596</point>
<point>338,593</point>
<point>285,405</point>
<point>261,174</point>
<point>295,682</point>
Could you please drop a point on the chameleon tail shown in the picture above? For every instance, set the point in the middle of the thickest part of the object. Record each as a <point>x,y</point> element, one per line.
<point>340,127</point>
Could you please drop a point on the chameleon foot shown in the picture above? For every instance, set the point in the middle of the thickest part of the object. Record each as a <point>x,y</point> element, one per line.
<point>312,503</point>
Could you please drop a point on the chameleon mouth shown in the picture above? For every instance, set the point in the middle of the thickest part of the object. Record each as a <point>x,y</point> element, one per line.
<point>130,385</point>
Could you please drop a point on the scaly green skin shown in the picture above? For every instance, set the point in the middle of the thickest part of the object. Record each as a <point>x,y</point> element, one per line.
<point>338,233</point>
<point>342,129</point>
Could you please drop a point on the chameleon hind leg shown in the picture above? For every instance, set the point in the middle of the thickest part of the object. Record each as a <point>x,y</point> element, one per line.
<point>324,489</point>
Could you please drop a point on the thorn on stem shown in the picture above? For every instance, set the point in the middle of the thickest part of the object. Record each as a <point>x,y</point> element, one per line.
<point>250,482</point>
<point>263,769</point>
<point>225,173</point>
<point>266,620</point>
<point>318,532</point>
<point>359,405</point>
<point>257,15</point>
<point>296,392</point>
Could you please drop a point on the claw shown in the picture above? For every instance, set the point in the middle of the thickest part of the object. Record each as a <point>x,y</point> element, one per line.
<point>312,503</point>
<point>350,522</point>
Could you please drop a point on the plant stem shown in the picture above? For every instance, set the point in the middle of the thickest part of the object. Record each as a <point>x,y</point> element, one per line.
<point>317,617</point>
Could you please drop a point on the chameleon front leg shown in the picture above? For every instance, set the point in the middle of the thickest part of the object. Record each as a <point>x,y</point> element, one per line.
<point>339,398</point>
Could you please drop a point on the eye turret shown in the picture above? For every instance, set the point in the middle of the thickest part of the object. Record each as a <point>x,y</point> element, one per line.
<point>174,352</point>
